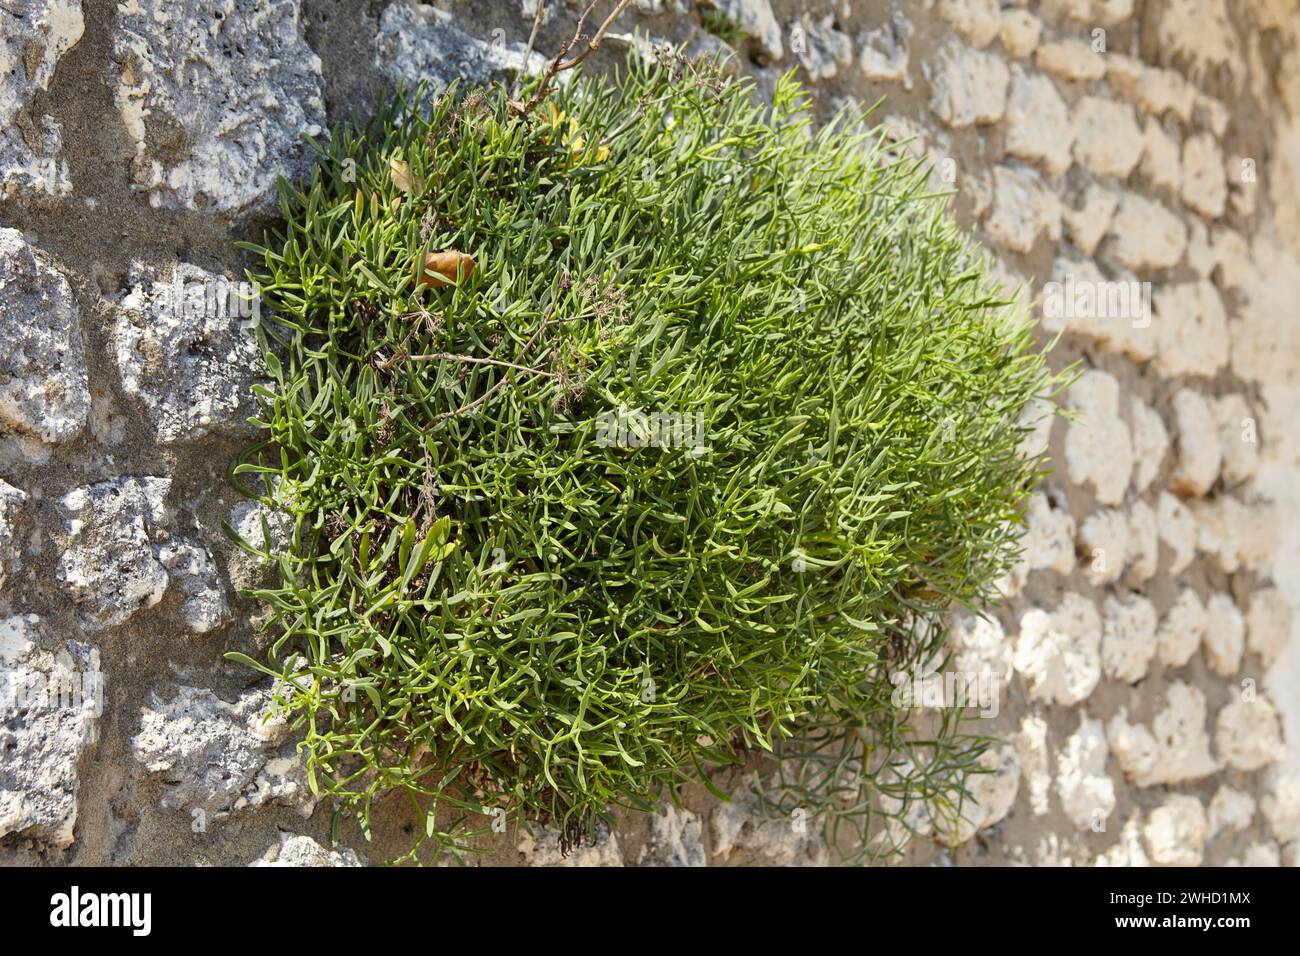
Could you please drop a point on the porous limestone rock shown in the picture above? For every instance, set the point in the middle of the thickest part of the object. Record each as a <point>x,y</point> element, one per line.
<point>1235,534</point>
<point>992,794</point>
<point>1204,187</point>
<point>1175,832</point>
<point>1086,791</point>
<point>1230,809</point>
<point>11,503</point>
<point>980,646</point>
<point>741,824</point>
<point>218,757</point>
<point>1104,545</point>
<point>1191,330</point>
<point>1023,209</point>
<point>675,837</point>
<point>1176,749</point>
<point>216,100</point>
<point>1147,236</point>
<point>1059,654</point>
<point>1098,446</point>
<point>1150,442</point>
<point>191,566</point>
<point>978,21</point>
<point>1281,807</point>
<point>756,18</point>
<point>1037,126</point>
<point>1225,635</point>
<point>110,564</point>
<point>185,346</point>
<point>1143,542</point>
<point>266,530</point>
<point>967,87</point>
<point>1199,450</point>
<point>1178,530</point>
<point>1031,748</point>
<point>1087,221</point>
<point>34,36</point>
<point>1238,437</point>
<point>1246,734</point>
<point>1019,32</point>
<point>49,703</point>
<point>1128,641</point>
<point>293,849</point>
<point>1107,140</point>
<point>884,56</point>
<point>1182,629</point>
<point>541,847</point>
<point>1161,162</point>
<point>44,398</point>
<point>1049,542</point>
<point>824,50</point>
<point>1070,59</point>
<point>1268,624</point>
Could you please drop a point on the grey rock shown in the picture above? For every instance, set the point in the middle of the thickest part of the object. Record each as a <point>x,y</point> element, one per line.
<point>422,43</point>
<point>218,757</point>
<point>758,21</point>
<point>11,501</point>
<point>49,702</point>
<point>44,397</point>
<point>191,566</point>
<point>676,837</point>
<point>34,36</point>
<point>110,564</point>
<point>293,849</point>
<point>216,100</point>
<point>185,346</point>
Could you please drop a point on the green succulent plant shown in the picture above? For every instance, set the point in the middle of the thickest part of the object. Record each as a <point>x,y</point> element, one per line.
<point>625,432</point>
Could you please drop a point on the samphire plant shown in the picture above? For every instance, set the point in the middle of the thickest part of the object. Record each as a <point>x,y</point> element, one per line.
<point>627,430</point>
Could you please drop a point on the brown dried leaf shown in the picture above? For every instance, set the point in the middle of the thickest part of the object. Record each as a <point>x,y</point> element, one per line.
<point>441,269</point>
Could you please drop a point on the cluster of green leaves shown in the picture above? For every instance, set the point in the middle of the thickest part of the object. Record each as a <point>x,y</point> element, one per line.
<point>484,606</point>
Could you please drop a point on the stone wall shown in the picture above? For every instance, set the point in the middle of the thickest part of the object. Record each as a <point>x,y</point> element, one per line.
<point>1147,654</point>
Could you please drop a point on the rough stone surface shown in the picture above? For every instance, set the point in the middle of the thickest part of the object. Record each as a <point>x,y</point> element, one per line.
<point>1086,790</point>
<point>1247,735</point>
<point>1175,833</point>
<point>110,565</point>
<point>1098,446</point>
<point>296,850</point>
<point>1107,140</point>
<point>11,503</point>
<point>1225,635</point>
<point>1059,654</point>
<point>968,86</point>
<point>1182,629</point>
<point>34,36</point>
<point>1147,235</point>
<point>1175,749</point>
<point>218,757</point>
<point>1038,127</point>
<point>184,345</point>
<point>44,399</point>
<point>215,100</point>
<point>1128,641</point>
<point>1199,450</point>
<point>49,702</point>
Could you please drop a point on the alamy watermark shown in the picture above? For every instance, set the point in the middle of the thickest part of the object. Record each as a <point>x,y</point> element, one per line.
<point>211,298</point>
<point>977,690</point>
<point>633,428</point>
<point>1088,299</point>
<point>25,688</point>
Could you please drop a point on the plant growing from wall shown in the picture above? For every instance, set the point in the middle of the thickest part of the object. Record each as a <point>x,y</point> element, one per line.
<point>627,430</point>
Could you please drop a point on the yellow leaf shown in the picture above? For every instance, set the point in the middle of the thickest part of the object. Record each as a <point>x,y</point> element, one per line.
<point>401,173</point>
